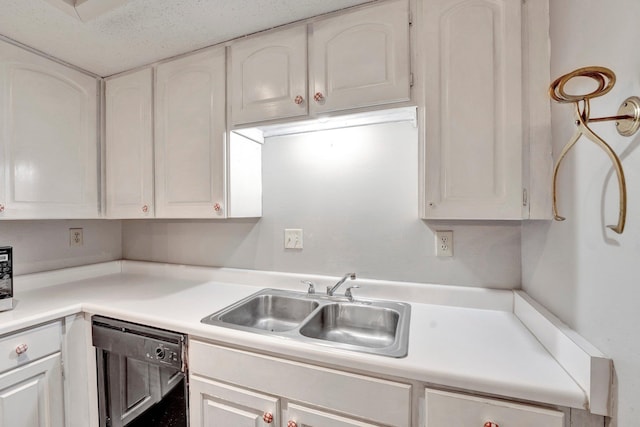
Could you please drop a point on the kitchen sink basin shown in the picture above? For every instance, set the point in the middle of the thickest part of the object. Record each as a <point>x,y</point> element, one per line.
<point>361,325</point>
<point>273,313</point>
<point>368,326</point>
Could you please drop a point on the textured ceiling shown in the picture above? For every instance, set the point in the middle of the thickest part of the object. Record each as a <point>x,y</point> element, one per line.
<point>144,31</point>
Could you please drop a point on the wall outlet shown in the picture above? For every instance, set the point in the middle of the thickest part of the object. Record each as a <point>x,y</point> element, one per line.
<point>444,243</point>
<point>293,238</point>
<point>75,237</point>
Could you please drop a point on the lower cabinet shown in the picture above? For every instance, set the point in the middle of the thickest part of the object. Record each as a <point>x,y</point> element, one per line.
<point>446,409</point>
<point>31,384</point>
<point>239,388</point>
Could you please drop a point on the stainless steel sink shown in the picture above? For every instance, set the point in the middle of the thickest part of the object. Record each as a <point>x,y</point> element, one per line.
<point>368,326</point>
<point>273,313</point>
<point>354,324</point>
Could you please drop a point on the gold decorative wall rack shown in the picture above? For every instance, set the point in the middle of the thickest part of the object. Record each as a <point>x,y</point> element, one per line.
<point>627,123</point>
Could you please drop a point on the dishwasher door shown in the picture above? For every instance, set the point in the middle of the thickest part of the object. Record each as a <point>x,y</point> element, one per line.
<point>141,375</point>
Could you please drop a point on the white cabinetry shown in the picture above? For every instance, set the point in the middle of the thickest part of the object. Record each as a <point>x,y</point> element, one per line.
<point>444,409</point>
<point>478,104</point>
<point>48,138</point>
<point>129,145</point>
<point>357,59</point>
<point>268,77</point>
<point>190,136</point>
<point>31,391</point>
<point>254,384</point>
<point>361,58</point>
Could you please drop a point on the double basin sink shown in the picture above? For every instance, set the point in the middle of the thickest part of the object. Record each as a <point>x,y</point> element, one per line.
<point>367,326</point>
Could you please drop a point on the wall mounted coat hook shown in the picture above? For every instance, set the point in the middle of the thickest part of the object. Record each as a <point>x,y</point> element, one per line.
<point>627,123</point>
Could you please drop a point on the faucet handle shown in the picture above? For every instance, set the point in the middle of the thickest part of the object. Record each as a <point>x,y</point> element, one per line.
<point>348,294</point>
<point>311,286</point>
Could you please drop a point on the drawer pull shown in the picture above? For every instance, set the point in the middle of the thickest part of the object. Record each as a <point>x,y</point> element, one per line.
<point>299,100</point>
<point>267,417</point>
<point>217,207</point>
<point>319,97</point>
<point>490,424</point>
<point>22,348</point>
<point>145,208</point>
<point>292,423</point>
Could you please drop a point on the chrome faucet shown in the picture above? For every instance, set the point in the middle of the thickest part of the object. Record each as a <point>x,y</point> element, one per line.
<point>331,290</point>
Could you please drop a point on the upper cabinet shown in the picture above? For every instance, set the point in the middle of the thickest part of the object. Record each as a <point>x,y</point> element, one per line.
<point>268,77</point>
<point>360,58</point>
<point>48,138</point>
<point>485,70</point>
<point>357,59</point>
<point>129,145</point>
<point>190,136</point>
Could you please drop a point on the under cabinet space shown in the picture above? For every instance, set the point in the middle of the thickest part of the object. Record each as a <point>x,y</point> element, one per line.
<point>351,395</point>
<point>129,145</point>
<point>48,154</point>
<point>445,409</point>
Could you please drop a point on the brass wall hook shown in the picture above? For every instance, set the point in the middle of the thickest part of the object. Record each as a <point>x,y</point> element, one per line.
<point>627,123</point>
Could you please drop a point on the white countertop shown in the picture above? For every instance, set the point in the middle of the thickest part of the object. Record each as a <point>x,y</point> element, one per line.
<point>485,350</point>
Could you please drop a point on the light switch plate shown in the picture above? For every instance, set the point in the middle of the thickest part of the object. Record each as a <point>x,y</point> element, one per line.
<point>293,238</point>
<point>444,243</point>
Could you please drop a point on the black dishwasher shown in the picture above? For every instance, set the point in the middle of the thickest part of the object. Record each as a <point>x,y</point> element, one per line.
<point>141,375</point>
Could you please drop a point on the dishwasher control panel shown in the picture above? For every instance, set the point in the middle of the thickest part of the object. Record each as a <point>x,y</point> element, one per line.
<point>164,353</point>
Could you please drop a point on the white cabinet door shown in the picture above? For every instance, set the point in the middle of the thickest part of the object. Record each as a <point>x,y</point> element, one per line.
<point>360,58</point>
<point>473,98</point>
<point>31,395</point>
<point>129,145</point>
<point>444,409</point>
<point>213,404</point>
<point>307,417</point>
<point>190,136</point>
<point>268,77</point>
<point>48,138</point>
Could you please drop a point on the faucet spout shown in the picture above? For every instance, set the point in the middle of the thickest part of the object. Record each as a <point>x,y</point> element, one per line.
<point>332,289</point>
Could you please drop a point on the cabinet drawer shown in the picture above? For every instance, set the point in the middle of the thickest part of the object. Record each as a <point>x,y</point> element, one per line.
<point>444,409</point>
<point>374,399</point>
<point>40,342</point>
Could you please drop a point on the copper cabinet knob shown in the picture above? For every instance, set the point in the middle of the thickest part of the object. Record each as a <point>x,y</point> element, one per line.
<point>267,417</point>
<point>145,208</point>
<point>318,97</point>
<point>298,100</point>
<point>217,207</point>
<point>292,423</point>
<point>1,208</point>
<point>490,424</point>
<point>22,348</point>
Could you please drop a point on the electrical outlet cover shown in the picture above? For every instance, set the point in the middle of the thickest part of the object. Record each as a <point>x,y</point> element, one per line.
<point>75,237</point>
<point>444,243</point>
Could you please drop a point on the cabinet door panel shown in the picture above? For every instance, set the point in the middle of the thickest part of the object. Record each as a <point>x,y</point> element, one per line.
<point>31,396</point>
<point>215,404</point>
<point>361,58</point>
<point>474,109</point>
<point>190,136</point>
<point>307,417</point>
<point>129,145</point>
<point>267,73</point>
<point>444,409</point>
<point>49,142</point>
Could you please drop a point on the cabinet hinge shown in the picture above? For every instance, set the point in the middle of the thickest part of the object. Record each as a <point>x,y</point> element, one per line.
<point>525,197</point>
<point>62,368</point>
<point>410,79</point>
<point>410,18</point>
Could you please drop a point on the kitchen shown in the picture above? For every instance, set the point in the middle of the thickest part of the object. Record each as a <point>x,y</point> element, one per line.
<point>549,260</point>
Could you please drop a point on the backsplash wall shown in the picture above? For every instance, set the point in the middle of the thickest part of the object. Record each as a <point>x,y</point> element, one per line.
<point>354,192</point>
<point>44,244</point>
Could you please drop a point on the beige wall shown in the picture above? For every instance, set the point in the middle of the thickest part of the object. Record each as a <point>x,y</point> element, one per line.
<point>44,245</point>
<point>355,193</point>
<point>584,273</point>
